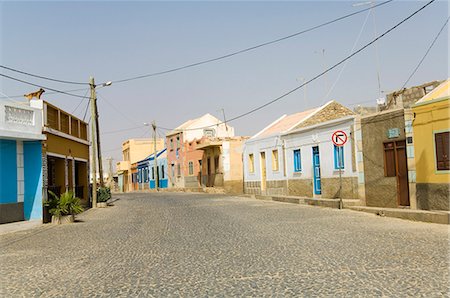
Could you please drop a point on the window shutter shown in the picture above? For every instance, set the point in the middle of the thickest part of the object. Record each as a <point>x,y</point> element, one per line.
<point>442,151</point>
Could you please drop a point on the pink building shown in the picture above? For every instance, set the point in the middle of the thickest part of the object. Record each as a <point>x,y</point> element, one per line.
<point>183,157</point>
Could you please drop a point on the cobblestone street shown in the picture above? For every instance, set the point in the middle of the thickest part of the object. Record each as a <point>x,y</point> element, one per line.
<point>197,245</point>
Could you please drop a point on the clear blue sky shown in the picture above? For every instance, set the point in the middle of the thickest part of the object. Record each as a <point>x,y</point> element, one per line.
<point>115,40</point>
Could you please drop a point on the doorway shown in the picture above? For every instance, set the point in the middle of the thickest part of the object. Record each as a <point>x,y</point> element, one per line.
<point>316,171</point>
<point>395,164</point>
<point>263,171</point>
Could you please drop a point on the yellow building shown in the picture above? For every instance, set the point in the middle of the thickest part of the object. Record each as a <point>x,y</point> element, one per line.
<point>431,129</point>
<point>134,150</point>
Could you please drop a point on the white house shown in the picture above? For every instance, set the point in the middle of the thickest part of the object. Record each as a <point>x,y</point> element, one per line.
<point>279,159</point>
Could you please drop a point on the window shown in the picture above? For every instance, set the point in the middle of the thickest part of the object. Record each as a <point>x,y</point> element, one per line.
<point>171,144</point>
<point>251,163</point>
<point>140,176</point>
<point>210,132</point>
<point>178,141</point>
<point>178,170</point>
<point>153,173</point>
<point>191,168</point>
<point>441,144</point>
<point>297,161</point>
<point>389,160</point>
<point>275,160</point>
<point>162,172</point>
<point>177,154</point>
<point>173,170</point>
<point>338,157</point>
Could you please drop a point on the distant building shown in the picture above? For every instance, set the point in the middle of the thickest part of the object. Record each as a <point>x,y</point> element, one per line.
<point>182,152</point>
<point>146,174</point>
<point>431,133</point>
<point>221,164</point>
<point>134,150</point>
<point>21,156</point>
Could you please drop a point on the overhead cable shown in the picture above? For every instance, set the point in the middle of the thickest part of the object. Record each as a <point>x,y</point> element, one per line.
<point>42,77</point>
<point>40,86</point>
<point>250,48</point>
<point>320,74</point>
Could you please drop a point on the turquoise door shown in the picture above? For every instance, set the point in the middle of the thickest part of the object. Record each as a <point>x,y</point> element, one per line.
<point>316,170</point>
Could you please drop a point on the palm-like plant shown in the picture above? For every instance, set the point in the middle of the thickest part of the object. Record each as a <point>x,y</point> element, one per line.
<point>66,204</point>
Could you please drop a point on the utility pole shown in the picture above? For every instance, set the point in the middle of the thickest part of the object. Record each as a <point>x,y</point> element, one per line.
<point>93,142</point>
<point>110,175</point>
<point>99,151</point>
<point>155,166</point>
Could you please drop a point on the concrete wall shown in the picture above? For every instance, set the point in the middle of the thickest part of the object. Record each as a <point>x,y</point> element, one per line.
<point>380,191</point>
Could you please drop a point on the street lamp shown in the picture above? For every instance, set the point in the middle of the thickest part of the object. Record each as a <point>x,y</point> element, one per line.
<point>155,153</point>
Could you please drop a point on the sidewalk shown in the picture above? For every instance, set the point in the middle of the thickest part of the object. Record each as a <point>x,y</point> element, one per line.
<point>19,226</point>
<point>435,216</point>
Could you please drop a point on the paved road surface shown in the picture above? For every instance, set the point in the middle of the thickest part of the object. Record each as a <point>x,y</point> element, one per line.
<point>196,245</point>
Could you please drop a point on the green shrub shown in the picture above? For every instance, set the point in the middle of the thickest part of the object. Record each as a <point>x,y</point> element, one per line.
<point>66,204</point>
<point>103,194</point>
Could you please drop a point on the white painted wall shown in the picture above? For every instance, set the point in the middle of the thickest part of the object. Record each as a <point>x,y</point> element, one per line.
<point>319,136</point>
<point>191,133</point>
<point>20,121</point>
<point>256,146</point>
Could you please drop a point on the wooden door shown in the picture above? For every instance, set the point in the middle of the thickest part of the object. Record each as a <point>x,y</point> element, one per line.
<point>402,173</point>
<point>263,171</point>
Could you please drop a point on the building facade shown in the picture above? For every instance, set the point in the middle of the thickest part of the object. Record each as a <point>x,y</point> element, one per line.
<point>21,171</point>
<point>182,151</point>
<point>221,164</point>
<point>65,152</point>
<point>431,129</point>
<point>134,150</point>
<point>294,155</point>
<point>146,173</point>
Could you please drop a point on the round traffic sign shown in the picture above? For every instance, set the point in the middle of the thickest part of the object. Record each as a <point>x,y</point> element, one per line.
<point>339,138</point>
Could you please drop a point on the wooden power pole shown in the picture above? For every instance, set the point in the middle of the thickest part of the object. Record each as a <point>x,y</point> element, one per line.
<point>94,143</point>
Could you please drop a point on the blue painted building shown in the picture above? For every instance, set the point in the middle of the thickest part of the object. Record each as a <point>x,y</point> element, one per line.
<point>21,171</point>
<point>146,173</point>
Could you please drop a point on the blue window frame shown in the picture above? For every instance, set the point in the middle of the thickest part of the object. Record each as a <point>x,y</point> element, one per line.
<point>338,157</point>
<point>297,160</point>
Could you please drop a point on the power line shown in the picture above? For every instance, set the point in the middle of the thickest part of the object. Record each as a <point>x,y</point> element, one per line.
<point>121,130</point>
<point>47,93</point>
<point>42,77</point>
<point>40,86</point>
<point>426,53</point>
<point>320,74</point>
<point>117,110</point>
<point>87,106</point>
<point>250,48</point>
<point>76,108</point>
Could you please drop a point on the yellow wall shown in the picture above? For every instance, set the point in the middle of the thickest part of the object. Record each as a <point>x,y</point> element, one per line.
<point>66,147</point>
<point>429,118</point>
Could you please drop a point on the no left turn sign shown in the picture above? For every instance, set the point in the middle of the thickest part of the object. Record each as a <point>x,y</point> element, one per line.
<point>339,138</point>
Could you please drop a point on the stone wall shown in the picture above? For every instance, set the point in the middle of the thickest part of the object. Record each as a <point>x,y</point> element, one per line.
<point>433,196</point>
<point>276,187</point>
<point>252,187</point>
<point>330,188</point>
<point>300,187</point>
<point>405,98</point>
<point>380,191</point>
<point>332,111</point>
<point>234,187</point>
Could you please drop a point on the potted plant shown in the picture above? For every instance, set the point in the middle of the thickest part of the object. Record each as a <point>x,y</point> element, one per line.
<point>64,208</point>
<point>103,195</point>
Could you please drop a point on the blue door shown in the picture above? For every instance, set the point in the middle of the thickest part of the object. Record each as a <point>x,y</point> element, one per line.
<point>316,170</point>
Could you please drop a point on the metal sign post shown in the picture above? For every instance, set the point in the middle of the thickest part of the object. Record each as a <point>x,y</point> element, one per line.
<point>339,138</point>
